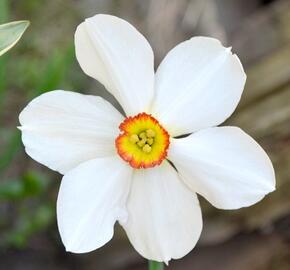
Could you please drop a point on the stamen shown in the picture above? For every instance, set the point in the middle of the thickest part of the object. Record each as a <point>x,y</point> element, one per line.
<point>141,143</point>
<point>144,140</point>
<point>150,133</point>
<point>146,148</point>
<point>142,135</point>
<point>150,141</point>
<point>134,138</point>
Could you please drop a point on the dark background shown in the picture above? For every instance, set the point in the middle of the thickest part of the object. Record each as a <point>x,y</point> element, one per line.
<point>256,238</point>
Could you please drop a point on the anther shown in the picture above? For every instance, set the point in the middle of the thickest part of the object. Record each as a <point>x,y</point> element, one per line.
<point>150,133</point>
<point>142,135</point>
<point>134,138</point>
<point>146,148</point>
<point>141,143</point>
<point>150,141</point>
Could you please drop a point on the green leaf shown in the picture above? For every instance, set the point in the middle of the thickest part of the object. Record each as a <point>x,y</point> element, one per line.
<point>28,223</point>
<point>11,190</point>
<point>31,184</point>
<point>9,151</point>
<point>34,183</point>
<point>10,33</point>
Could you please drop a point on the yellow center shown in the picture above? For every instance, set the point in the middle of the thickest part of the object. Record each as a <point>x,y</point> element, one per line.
<point>143,142</point>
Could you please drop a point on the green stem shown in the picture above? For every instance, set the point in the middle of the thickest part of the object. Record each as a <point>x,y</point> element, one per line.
<point>152,265</point>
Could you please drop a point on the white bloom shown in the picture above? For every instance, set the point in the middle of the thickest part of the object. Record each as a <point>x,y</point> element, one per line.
<point>112,175</point>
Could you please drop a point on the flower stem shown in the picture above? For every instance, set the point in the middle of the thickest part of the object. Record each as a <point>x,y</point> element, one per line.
<point>152,265</point>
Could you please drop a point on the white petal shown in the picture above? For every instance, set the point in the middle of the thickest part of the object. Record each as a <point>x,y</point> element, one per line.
<point>90,200</point>
<point>62,129</point>
<point>164,216</point>
<point>198,85</point>
<point>113,52</point>
<point>225,165</point>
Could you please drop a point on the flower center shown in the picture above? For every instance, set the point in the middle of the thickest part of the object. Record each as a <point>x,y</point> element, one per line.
<point>143,142</point>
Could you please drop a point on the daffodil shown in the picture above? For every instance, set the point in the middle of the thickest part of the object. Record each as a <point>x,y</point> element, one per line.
<point>144,169</point>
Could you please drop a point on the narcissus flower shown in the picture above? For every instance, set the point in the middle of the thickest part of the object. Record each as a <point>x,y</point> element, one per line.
<point>138,169</point>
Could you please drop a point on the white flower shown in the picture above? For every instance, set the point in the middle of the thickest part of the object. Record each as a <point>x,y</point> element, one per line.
<point>112,175</point>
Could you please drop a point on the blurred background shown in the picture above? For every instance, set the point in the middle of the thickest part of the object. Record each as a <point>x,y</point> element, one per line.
<point>256,238</point>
